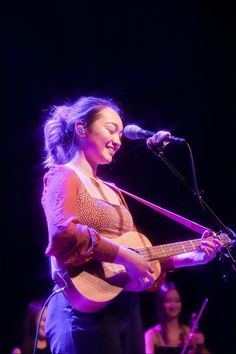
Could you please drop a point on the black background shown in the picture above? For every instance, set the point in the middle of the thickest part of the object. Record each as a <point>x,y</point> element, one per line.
<point>171,65</point>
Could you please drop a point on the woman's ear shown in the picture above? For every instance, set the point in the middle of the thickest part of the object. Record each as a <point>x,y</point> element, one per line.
<point>79,129</point>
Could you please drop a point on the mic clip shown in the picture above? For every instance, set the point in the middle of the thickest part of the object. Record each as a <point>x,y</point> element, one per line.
<point>158,140</point>
<point>161,139</point>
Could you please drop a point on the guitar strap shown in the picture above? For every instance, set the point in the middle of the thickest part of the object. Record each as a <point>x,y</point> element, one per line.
<point>178,218</point>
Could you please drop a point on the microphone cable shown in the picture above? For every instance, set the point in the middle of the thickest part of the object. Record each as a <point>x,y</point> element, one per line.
<point>55,292</point>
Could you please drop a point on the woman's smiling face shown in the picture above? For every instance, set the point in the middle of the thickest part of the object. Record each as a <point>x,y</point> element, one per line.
<point>172,303</point>
<point>103,137</point>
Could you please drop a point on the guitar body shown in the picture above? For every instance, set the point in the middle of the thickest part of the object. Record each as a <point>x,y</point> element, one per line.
<point>96,284</point>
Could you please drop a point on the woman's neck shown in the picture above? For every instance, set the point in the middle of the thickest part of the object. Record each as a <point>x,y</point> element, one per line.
<point>172,323</point>
<point>42,343</point>
<point>80,161</point>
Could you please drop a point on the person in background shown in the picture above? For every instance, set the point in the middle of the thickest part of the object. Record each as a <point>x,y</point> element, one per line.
<point>84,216</point>
<point>28,331</point>
<point>170,334</point>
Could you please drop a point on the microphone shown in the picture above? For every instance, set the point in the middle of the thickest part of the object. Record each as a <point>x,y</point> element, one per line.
<point>134,132</point>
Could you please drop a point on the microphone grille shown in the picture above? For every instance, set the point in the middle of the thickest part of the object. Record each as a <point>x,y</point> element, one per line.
<point>131,131</point>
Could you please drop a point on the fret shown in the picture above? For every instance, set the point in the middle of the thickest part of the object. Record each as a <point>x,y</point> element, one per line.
<point>167,250</point>
<point>171,249</point>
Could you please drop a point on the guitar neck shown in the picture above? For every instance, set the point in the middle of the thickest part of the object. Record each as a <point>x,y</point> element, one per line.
<point>171,249</point>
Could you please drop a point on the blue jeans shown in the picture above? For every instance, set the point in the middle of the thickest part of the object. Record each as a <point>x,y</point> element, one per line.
<point>117,329</point>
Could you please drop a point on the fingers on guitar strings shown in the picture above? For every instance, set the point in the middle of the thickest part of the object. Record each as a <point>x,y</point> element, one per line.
<point>146,281</point>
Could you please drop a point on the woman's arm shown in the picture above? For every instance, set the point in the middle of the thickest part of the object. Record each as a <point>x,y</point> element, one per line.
<point>69,241</point>
<point>150,341</point>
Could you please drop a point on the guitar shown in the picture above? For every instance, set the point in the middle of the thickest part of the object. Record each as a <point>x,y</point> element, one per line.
<point>96,284</point>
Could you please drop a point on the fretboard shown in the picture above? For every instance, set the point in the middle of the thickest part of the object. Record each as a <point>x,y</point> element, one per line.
<point>171,249</point>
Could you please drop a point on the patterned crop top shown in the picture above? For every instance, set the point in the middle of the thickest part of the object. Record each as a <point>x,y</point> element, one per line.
<point>76,220</point>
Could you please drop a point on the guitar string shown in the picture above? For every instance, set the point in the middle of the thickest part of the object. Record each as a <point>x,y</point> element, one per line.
<point>162,251</point>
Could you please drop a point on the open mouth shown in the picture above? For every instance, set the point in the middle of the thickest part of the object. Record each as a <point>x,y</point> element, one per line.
<point>111,150</point>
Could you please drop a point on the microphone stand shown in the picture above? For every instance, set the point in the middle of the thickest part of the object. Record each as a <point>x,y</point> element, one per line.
<point>194,326</point>
<point>157,150</point>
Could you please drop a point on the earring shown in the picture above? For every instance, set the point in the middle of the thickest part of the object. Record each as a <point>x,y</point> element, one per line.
<point>81,130</point>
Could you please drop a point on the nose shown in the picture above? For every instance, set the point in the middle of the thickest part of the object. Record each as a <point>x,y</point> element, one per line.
<point>117,140</point>
<point>172,305</point>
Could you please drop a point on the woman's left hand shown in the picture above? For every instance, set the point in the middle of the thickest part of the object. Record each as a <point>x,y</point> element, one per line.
<point>209,247</point>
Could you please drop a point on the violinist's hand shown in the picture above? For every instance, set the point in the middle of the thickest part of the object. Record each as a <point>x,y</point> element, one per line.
<point>197,338</point>
<point>158,139</point>
<point>197,344</point>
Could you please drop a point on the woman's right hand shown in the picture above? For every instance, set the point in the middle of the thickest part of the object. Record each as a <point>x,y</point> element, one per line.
<point>139,270</point>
